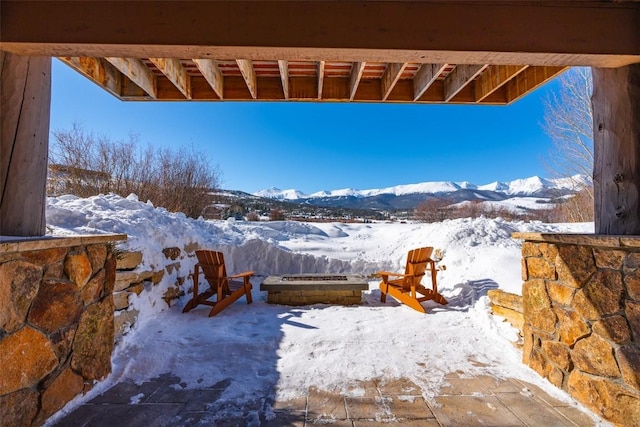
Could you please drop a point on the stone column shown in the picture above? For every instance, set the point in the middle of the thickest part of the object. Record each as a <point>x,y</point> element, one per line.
<point>25,102</point>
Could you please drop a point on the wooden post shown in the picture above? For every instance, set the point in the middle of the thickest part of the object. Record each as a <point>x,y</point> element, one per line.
<point>616,129</point>
<point>25,102</point>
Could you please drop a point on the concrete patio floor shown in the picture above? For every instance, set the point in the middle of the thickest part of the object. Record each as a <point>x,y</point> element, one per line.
<point>462,401</point>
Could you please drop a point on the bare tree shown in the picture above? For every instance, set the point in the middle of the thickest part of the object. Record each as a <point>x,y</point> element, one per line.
<point>432,209</point>
<point>568,120</point>
<point>276,214</point>
<point>179,180</point>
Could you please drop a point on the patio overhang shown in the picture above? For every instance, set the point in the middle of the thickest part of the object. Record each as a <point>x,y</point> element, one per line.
<point>473,52</point>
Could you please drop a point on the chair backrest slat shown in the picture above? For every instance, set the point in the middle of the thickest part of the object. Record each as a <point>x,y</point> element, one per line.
<point>417,260</point>
<point>213,267</point>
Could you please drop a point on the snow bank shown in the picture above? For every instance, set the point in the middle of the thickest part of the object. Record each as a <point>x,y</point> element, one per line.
<point>288,349</point>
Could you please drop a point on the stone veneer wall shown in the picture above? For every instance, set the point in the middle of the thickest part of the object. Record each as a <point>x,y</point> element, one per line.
<point>581,302</point>
<point>507,305</point>
<point>56,322</point>
<point>132,279</point>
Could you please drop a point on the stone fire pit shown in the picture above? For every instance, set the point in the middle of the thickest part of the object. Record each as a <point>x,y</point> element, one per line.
<point>305,289</point>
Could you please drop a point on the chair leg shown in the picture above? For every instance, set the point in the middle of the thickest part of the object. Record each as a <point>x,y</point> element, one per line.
<point>437,297</point>
<point>247,290</point>
<point>193,302</point>
<point>384,289</point>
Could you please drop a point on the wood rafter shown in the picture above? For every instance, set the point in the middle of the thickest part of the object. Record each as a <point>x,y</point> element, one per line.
<point>135,70</point>
<point>460,77</point>
<point>494,78</point>
<point>249,75</point>
<point>99,71</point>
<point>356,74</point>
<point>311,87</point>
<point>320,78</point>
<point>530,79</point>
<point>390,77</point>
<point>284,76</point>
<point>424,78</point>
<point>172,68</point>
<point>212,75</point>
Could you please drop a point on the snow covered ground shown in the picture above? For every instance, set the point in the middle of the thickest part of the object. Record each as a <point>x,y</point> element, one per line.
<point>330,347</point>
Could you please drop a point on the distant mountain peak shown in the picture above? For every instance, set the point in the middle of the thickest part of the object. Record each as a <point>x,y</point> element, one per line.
<point>522,187</point>
<point>276,193</point>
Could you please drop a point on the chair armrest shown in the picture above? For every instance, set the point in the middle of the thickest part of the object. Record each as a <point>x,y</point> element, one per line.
<point>388,273</point>
<point>245,274</point>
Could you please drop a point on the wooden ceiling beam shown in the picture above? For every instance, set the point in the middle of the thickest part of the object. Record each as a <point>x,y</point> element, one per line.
<point>320,78</point>
<point>545,32</point>
<point>494,78</point>
<point>424,78</point>
<point>212,74</point>
<point>390,77</point>
<point>249,75</point>
<point>356,74</point>
<point>172,68</point>
<point>530,79</point>
<point>284,76</point>
<point>98,71</point>
<point>460,77</point>
<point>139,73</point>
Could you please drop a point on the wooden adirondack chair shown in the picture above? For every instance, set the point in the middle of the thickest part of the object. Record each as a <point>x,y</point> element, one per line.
<point>407,288</point>
<point>211,264</point>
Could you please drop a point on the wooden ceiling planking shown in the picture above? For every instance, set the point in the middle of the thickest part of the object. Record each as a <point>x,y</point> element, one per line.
<point>166,79</point>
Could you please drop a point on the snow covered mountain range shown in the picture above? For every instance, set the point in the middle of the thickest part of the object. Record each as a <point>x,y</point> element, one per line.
<point>528,187</point>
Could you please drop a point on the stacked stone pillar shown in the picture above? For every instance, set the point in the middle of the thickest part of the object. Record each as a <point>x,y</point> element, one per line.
<point>581,303</point>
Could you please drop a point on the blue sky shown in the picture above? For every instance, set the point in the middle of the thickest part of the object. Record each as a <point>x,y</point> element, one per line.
<point>322,146</point>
